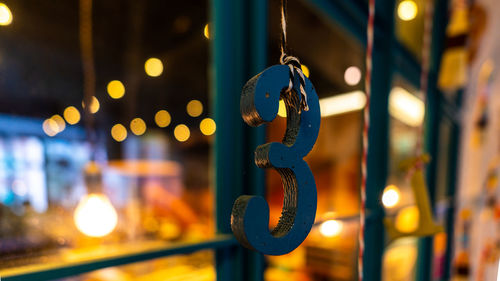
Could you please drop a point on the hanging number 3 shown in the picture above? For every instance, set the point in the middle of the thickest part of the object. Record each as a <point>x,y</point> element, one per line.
<point>250,216</point>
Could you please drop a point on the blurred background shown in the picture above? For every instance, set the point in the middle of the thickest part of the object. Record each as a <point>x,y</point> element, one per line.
<point>122,147</point>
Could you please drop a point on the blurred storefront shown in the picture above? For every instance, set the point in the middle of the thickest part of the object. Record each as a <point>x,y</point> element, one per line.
<point>140,184</point>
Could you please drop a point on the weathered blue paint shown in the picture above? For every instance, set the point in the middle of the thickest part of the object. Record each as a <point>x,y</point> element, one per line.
<point>250,216</point>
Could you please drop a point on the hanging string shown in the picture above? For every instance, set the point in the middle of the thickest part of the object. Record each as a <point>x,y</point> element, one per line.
<point>88,67</point>
<point>292,62</point>
<point>424,73</point>
<point>366,126</point>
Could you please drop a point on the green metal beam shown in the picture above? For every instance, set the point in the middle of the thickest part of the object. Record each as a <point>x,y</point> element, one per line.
<point>66,269</point>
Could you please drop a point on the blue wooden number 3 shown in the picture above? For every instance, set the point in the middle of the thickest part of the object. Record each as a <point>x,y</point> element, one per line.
<point>250,215</point>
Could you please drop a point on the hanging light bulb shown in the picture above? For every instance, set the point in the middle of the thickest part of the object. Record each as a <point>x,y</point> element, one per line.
<point>95,216</point>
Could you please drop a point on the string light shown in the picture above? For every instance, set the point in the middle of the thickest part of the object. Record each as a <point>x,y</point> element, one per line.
<point>352,75</point>
<point>118,132</point>
<point>116,89</point>
<point>207,126</point>
<point>331,228</point>
<point>390,197</point>
<point>138,126</point>
<point>162,118</point>
<point>71,115</point>
<point>153,67</point>
<point>194,108</point>
<point>206,31</point>
<point>94,105</point>
<point>5,15</point>
<point>182,133</point>
<point>407,10</point>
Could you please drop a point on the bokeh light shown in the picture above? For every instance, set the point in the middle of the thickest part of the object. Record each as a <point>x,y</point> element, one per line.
<point>206,31</point>
<point>116,89</point>
<point>331,228</point>
<point>207,126</point>
<point>94,105</point>
<point>407,10</point>
<point>5,15</point>
<point>162,118</point>
<point>182,133</point>
<point>153,67</point>
<point>390,197</point>
<point>71,115</point>
<point>95,216</point>
<point>61,125</point>
<point>305,70</point>
<point>119,132</point>
<point>407,219</point>
<point>50,127</point>
<point>194,108</point>
<point>352,75</point>
<point>137,126</point>
<point>282,109</point>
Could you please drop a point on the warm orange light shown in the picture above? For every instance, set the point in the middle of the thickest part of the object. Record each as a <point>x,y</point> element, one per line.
<point>71,115</point>
<point>207,126</point>
<point>305,70</point>
<point>407,10</point>
<point>194,108</point>
<point>138,126</point>
<point>116,89</point>
<point>61,125</point>
<point>331,228</point>
<point>206,31</point>
<point>94,105</point>
<point>5,15</point>
<point>95,216</point>
<point>407,219</point>
<point>50,127</point>
<point>182,133</point>
<point>162,118</point>
<point>390,197</point>
<point>352,75</point>
<point>153,67</point>
<point>282,109</point>
<point>118,132</point>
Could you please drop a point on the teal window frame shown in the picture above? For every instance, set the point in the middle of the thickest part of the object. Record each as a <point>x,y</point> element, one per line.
<point>239,51</point>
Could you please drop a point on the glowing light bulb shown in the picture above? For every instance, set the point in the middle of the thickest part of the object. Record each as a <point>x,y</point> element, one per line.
<point>118,132</point>
<point>331,228</point>
<point>352,75</point>
<point>138,126</point>
<point>207,126</point>
<point>390,197</point>
<point>407,219</point>
<point>305,70</point>
<point>116,89</point>
<point>5,15</point>
<point>206,31</point>
<point>194,108</point>
<point>407,10</point>
<point>162,118</point>
<point>182,133</point>
<point>153,67</point>
<point>71,115</point>
<point>282,109</point>
<point>95,216</point>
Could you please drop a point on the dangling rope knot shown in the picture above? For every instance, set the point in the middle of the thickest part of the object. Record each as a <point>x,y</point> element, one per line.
<point>292,62</point>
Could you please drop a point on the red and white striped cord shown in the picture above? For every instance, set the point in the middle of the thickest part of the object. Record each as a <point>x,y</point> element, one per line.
<point>366,126</point>
<point>424,73</point>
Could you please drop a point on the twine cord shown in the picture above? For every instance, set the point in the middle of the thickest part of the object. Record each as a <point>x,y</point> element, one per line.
<point>292,62</point>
